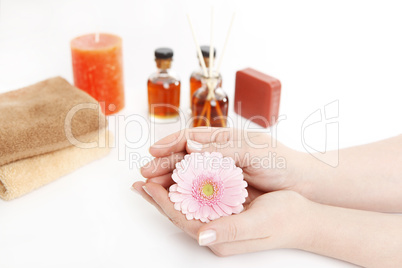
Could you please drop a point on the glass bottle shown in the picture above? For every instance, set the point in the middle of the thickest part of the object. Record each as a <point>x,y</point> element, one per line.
<point>210,104</point>
<point>196,76</point>
<point>163,89</point>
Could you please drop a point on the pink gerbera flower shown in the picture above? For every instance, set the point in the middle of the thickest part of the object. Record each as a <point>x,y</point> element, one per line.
<point>208,186</point>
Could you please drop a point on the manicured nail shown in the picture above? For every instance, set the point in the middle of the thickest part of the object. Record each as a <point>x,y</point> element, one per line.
<point>134,190</point>
<point>193,145</point>
<point>145,189</point>
<point>206,237</point>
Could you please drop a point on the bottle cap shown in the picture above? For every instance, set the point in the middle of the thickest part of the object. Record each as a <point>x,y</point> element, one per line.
<point>163,53</point>
<point>205,51</point>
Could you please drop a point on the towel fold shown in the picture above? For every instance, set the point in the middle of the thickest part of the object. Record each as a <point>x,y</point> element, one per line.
<point>23,176</point>
<point>39,128</point>
<point>33,119</point>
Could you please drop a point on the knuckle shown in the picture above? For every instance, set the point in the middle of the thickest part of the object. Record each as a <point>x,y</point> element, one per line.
<point>231,232</point>
<point>223,136</point>
<point>221,147</point>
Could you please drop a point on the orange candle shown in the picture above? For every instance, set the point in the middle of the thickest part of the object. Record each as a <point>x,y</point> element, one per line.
<point>98,69</point>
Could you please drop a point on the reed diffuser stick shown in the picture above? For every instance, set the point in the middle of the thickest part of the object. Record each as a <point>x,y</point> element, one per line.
<point>200,58</point>
<point>202,62</point>
<point>226,42</point>
<point>210,82</point>
<point>211,44</point>
<point>199,118</point>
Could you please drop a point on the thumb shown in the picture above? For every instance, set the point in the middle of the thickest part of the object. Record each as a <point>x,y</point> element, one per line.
<point>233,149</point>
<point>232,228</point>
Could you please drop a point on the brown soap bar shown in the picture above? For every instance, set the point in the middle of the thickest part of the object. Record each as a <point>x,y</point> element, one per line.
<point>257,97</point>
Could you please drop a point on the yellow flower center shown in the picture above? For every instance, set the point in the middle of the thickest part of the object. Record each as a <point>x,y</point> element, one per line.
<point>208,189</point>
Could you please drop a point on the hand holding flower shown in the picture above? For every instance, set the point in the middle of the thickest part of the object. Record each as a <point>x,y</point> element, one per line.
<point>267,222</point>
<point>207,186</point>
<point>249,150</point>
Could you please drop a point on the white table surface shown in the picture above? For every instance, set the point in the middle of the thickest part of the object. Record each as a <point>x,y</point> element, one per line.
<point>345,51</point>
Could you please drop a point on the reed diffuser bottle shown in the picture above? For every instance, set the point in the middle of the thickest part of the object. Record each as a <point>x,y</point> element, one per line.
<point>210,104</point>
<point>163,89</point>
<point>196,76</point>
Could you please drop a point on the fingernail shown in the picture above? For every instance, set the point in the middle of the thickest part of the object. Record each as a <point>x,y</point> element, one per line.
<point>145,189</point>
<point>206,237</point>
<point>155,146</point>
<point>193,145</point>
<point>134,190</point>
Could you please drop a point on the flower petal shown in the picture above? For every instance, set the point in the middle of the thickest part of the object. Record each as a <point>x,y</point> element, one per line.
<point>173,188</point>
<point>197,214</point>
<point>189,216</point>
<point>184,204</point>
<point>213,215</point>
<point>205,211</point>
<point>193,206</point>
<point>232,174</point>
<point>225,208</point>
<point>177,206</point>
<point>236,191</point>
<point>233,183</point>
<point>237,209</point>
<point>197,169</point>
<point>178,197</point>
<point>176,177</point>
<point>183,190</point>
<point>204,220</point>
<point>245,193</point>
<point>231,200</point>
<point>218,210</point>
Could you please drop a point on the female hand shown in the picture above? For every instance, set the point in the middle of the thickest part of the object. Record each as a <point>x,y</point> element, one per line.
<point>367,176</point>
<point>273,220</point>
<point>285,219</point>
<point>267,165</point>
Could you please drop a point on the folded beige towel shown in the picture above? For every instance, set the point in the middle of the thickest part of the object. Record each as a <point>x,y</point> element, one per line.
<point>26,175</point>
<point>32,119</point>
<point>34,144</point>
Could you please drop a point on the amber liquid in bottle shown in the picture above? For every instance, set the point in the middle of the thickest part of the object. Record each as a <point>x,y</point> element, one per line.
<point>210,112</point>
<point>163,93</point>
<point>163,99</point>
<point>196,83</point>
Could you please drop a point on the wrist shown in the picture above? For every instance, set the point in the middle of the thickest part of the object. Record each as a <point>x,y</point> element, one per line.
<point>302,173</point>
<point>304,225</point>
<point>297,221</point>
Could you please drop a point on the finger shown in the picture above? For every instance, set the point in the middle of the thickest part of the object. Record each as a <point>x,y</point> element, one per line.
<point>253,193</point>
<point>240,247</point>
<point>138,187</point>
<point>164,180</point>
<point>227,149</point>
<point>247,225</point>
<point>236,144</point>
<point>176,142</point>
<point>160,196</point>
<point>161,165</point>
<point>173,143</point>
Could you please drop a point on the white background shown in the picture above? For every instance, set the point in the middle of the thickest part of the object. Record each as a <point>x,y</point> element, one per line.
<point>322,51</point>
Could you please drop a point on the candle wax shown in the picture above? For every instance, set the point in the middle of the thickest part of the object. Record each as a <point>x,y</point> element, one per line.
<point>98,69</point>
